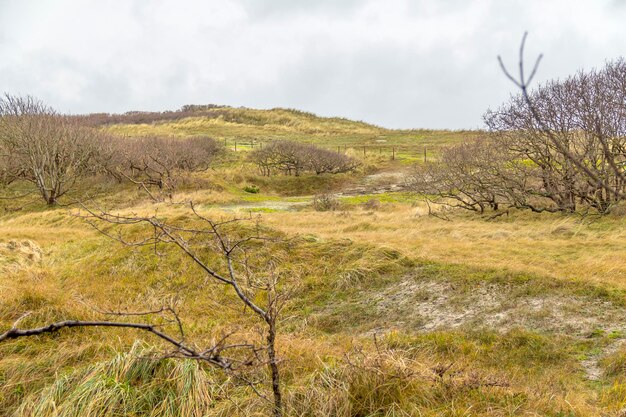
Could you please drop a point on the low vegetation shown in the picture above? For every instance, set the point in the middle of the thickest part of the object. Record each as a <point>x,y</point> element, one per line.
<point>156,161</point>
<point>305,272</point>
<point>293,158</point>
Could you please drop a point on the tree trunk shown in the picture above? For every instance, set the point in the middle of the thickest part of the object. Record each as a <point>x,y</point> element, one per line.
<point>273,365</point>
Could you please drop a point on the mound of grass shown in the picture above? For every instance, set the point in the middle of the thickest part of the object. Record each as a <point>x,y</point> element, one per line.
<point>244,129</point>
<point>137,383</point>
<point>252,189</point>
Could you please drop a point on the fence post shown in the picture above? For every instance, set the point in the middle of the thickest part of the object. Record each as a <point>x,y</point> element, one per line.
<point>364,151</point>
<point>235,146</point>
<point>393,153</point>
<point>424,154</point>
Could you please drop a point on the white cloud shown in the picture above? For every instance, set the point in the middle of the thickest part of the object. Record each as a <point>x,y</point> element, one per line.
<point>398,63</point>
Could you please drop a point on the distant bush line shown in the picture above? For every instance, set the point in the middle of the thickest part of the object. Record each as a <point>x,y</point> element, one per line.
<point>211,111</point>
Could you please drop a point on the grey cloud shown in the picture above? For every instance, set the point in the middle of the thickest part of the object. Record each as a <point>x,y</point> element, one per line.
<point>402,63</point>
<point>393,87</point>
<point>282,8</point>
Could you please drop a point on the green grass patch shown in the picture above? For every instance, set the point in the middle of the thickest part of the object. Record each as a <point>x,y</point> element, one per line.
<point>391,197</point>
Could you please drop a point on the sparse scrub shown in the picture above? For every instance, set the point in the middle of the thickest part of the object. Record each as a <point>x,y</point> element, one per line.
<point>561,148</point>
<point>323,373</point>
<point>325,202</point>
<point>157,161</point>
<point>52,152</point>
<point>293,158</point>
<point>55,153</point>
<point>252,189</point>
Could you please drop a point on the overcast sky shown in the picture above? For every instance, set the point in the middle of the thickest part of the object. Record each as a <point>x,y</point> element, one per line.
<point>395,63</point>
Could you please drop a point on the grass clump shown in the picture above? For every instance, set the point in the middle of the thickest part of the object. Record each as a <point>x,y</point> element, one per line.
<point>325,202</point>
<point>613,394</point>
<point>614,365</point>
<point>392,377</point>
<point>133,383</point>
<point>252,189</point>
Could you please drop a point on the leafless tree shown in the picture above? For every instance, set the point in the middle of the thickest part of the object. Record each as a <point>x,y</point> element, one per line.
<point>41,147</point>
<point>575,129</point>
<point>557,148</point>
<point>283,156</point>
<point>485,173</point>
<point>457,179</point>
<point>155,161</point>
<point>476,175</point>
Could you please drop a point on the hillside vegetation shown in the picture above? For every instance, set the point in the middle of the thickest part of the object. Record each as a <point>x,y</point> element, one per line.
<point>392,311</point>
<point>248,126</point>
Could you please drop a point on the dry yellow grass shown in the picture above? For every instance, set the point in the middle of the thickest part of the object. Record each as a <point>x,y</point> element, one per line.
<point>330,367</point>
<point>559,246</point>
<point>324,371</point>
<point>553,245</point>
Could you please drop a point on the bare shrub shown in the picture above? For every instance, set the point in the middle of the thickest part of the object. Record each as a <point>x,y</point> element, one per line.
<point>325,202</point>
<point>40,146</point>
<point>294,158</point>
<point>53,152</point>
<point>323,161</point>
<point>155,161</point>
<point>465,176</point>
<point>573,130</point>
<point>283,156</point>
<point>559,148</point>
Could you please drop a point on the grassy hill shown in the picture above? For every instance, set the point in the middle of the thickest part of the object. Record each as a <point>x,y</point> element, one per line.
<point>392,312</point>
<point>251,127</point>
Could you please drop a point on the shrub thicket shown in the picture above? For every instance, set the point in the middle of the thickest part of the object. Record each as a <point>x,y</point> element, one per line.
<point>293,158</point>
<point>561,150</point>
